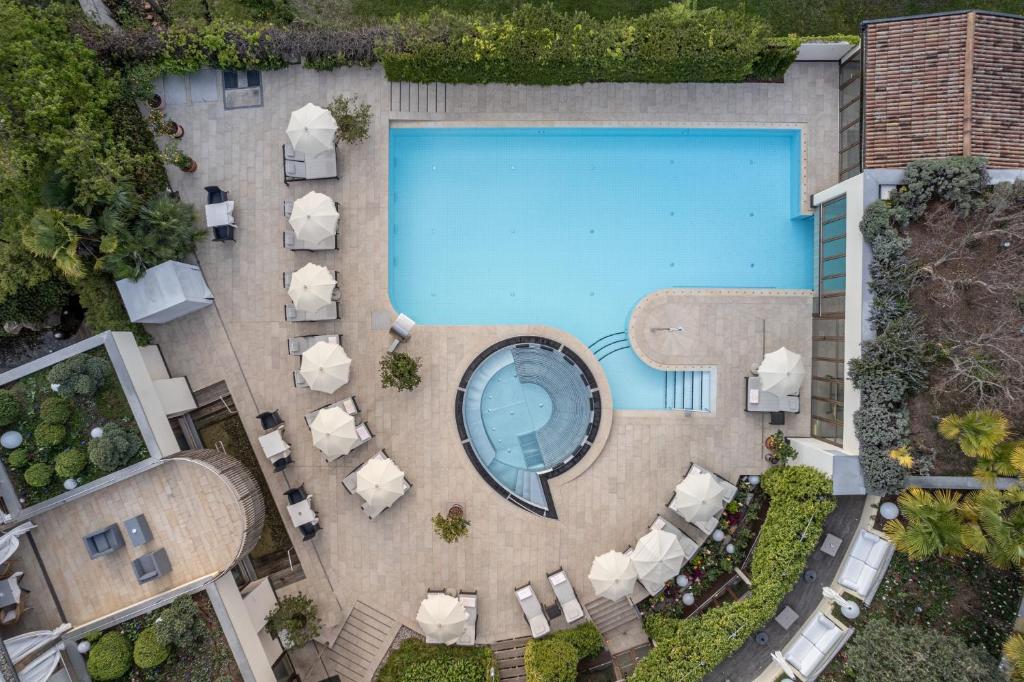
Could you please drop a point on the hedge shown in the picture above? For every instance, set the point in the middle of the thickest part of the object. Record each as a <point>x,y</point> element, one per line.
<point>416,661</point>
<point>894,366</point>
<point>535,45</point>
<point>554,658</point>
<point>687,650</point>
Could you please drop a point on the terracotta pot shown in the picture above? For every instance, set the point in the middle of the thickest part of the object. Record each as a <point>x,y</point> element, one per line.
<point>179,132</point>
<point>156,102</point>
<point>456,511</point>
<point>191,167</point>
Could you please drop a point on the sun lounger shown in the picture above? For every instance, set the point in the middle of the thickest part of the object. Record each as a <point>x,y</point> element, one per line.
<point>293,243</point>
<point>364,433</point>
<point>468,601</point>
<point>297,345</point>
<point>299,380</point>
<point>328,312</point>
<point>350,481</point>
<point>350,405</point>
<point>689,546</point>
<point>566,596</point>
<point>533,612</point>
<point>865,565</point>
<point>819,640</point>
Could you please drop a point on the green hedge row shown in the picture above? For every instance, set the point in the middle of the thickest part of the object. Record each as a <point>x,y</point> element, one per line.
<point>554,658</point>
<point>535,45</point>
<point>687,650</point>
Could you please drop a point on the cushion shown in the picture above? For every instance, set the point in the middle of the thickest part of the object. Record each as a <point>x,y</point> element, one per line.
<point>858,576</point>
<point>877,554</point>
<point>573,611</point>
<point>802,654</point>
<point>539,626</point>
<point>817,628</point>
<point>863,545</point>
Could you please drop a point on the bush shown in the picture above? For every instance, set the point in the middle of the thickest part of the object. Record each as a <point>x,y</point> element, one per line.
<point>70,463</point>
<point>882,651</point>
<point>687,650</point>
<point>443,670</point>
<point>353,119</point>
<point>115,448</point>
<point>417,661</point>
<point>180,624</point>
<point>110,658</point>
<point>149,650</point>
<point>49,435</point>
<point>38,475</point>
<point>450,528</point>
<point>81,375</point>
<point>296,615</point>
<point>399,370</point>
<point>10,408</point>
<point>103,307</point>
<point>18,459</point>
<point>55,410</point>
<point>585,638</point>
<point>33,304</point>
<point>550,660</point>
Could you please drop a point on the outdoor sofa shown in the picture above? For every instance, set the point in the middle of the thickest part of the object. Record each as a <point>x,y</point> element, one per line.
<point>865,565</point>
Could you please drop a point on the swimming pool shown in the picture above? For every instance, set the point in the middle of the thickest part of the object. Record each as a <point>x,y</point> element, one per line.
<point>571,227</point>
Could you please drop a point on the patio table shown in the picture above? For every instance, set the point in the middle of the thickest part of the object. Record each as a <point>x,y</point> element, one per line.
<point>274,445</point>
<point>10,591</point>
<point>301,513</point>
<point>220,214</point>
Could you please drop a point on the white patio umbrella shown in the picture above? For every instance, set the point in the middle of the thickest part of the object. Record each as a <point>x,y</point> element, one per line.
<point>325,367</point>
<point>698,497</point>
<point>781,372</point>
<point>658,556</point>
<point>311,129</point>
<point>314,217</point>
<point>311,287</point>
<point>442,618</point>
<point>10,540</point>
<point>380,482</point>
<point>613,575</point>
<point>334,431</point>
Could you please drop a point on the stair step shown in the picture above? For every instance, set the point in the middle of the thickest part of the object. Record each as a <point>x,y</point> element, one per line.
<point>364,640</point>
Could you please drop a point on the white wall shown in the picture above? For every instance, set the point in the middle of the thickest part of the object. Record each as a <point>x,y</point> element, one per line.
<point>243,631</point>
<point>146,394</point>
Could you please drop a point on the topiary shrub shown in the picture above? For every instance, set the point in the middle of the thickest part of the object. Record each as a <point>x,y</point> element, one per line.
<point>18,459</point>
<point>38,475</point>
<point>70,463</point>
<point>180,623</point>
<point>10,408</point>
<point>81,375</point>
<point>49,435</point>
<point>115,448</point>
<point>55,410</point>
<point>550,660</point>
<point>149,651</point>
<point>295,618</point>
<point>110,658</point>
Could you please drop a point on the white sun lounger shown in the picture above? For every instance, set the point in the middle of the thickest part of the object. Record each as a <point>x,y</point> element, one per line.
<point>468,601</point>
<point>566,596</point>
<point>533,612</point>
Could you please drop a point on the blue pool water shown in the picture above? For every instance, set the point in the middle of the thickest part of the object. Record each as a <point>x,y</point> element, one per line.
<point>571,227</point>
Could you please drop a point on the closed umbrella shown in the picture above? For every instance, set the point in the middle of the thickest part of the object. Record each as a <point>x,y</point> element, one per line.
<point>657,558</point>
<point>380,482</point>
<point>698,497</point>
<point>334,431</point>
<point>442,618</point>
<point>612,575</point>
<point>314,217</point>
<point>10,540</point>
<point>311,129</point>
<point>325,367</point>
<point>781,372</point>
<point>312,287</point>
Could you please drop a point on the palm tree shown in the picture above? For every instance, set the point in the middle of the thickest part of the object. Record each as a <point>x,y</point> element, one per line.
<point>995,526</point>
<point>933,524</point>
<point>1007,459</point>
<point>977,431</point>
<point>57,235</point>
<point>1013,649</point>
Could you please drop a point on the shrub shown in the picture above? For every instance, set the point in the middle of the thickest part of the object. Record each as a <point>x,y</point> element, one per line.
<point>149,650</point>
<point>296,616</point>
<point>38,475</point>
<point>55,410</point>
<point>34,303</point>
<point>550,660</point>
<point>70,463</point>
<point>110,658</point>
<point>180,624</point>
<point>399,370</point>
<point>115,448</point>
<point>585,638</point>
<point>10,408</point>
<point>687,650</point>
<point>81,375</point>
<point>353,118</point>
<point>18,459</point>
<point>450,528</point>
<point>444,670</point>
<point>49,435</point>
<point>104,309</point>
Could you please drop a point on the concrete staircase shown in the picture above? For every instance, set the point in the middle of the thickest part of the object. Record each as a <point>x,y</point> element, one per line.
<point>362,644</point>
<point>618,622</point>
<point>509,654</point>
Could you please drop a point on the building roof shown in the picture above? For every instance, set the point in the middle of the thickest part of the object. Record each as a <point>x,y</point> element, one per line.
<point>944,85</point>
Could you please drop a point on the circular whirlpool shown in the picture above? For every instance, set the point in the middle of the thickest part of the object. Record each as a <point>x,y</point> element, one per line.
<point>527,408</point>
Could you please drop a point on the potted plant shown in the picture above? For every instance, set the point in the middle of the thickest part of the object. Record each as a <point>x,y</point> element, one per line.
<point>294,621</point>
<point>161,125</point>
<point>772,442</point>
<point>185,162</point>
<point>155,102</point>
<point>399,370</point>
<point>453,526</point>
<point>353,119</point>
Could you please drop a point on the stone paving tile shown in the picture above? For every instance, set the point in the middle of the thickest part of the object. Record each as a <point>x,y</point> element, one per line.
<point>391,561</point>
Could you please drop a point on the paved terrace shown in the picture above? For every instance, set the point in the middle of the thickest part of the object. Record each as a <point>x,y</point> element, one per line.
<point>605,502</point>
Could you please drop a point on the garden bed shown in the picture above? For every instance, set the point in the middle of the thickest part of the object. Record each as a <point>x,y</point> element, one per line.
<point>414,659</point>
<point>201,653</point>
<point>56,427</point>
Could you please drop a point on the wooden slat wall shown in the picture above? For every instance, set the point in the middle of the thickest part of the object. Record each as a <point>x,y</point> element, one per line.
<point>997,111</point>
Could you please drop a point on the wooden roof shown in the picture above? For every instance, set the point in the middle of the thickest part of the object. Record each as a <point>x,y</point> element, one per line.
<point>944,85</point>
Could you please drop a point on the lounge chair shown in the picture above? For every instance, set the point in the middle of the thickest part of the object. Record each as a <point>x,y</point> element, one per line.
<point>468,601</point>
<point>299,380</point>
<point>350,480</point>
<point>350,405</point>
<point>818,641</point>
<point>865,565</point>
<point>566,596</point>
<point>533,612</point>
<point>269,420</point>
<point>364,433</point>
<point>103,542</point>
<point>293,243</point>
<point>689,546</point>
<point>297,345</point>
<point>151,566</point>
<point>326,313</point>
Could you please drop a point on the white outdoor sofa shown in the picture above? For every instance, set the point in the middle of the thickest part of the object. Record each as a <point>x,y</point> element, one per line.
<point>533,612</point>
<point>865,565</point>
<point>817,643</point>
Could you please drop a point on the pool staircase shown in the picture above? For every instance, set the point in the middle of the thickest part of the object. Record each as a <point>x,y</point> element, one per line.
<point>690,391</point>
<point>609,344</point>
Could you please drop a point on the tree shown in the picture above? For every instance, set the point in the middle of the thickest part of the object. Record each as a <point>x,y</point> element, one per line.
<point>995,526</point>
<point>933,524</point>
<point>60,236</point>
<point>294,621</point>
<point>977,432</point>
<point>399,370</point>
<point>1013,649</point>
<point>353,118</point>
